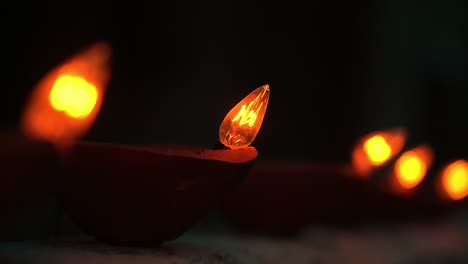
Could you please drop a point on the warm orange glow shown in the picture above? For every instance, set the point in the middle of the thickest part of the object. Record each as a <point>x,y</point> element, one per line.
<point>241,125</point>
<point>376,149</point>
<point>411,168</point>
<point>74,96</point>
<point>65,102</point>
<point>455,180</point>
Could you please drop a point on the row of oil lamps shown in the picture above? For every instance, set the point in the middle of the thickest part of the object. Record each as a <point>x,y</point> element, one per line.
<point>384,154</point>
<point>66,102</point>
<point>177,185</point>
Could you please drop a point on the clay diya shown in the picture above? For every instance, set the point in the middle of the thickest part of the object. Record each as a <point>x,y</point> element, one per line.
<point>152,194</point>
<point>282,197</point>
<point>26,168</point>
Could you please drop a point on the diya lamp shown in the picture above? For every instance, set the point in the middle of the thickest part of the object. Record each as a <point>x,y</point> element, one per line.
<point>435,188</point>
<point>66,101</point>
<point>407,180</point>
<point>373,159</point>
<point>60,109</point>
<point>412,170</point>
<point>146,195</point>
<point>123,193</point>
<point>377,159</point>
<point>375,149</point>
<point>391,161</point>
<point>284,197</point>
<point>452,182</point>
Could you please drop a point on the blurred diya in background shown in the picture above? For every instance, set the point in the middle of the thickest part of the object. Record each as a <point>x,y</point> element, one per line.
<point>60,109</point>
<point>387,160</point>
<point>376,149</point>
<point>128,194</point>
<point>406,177</point>
<point>412,177</point>
<point>65,103</point>
<point>453,182</point>
<point>283,197</point>
<point>381,185</point>
<point>410,169</point>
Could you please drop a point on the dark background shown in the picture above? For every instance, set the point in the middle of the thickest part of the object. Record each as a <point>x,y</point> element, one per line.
<point>336,69</point>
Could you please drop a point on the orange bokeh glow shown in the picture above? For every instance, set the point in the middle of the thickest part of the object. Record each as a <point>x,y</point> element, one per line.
<point>455,180</point>
<point>74,96</point>
<point>412,166</point>
<point>241,125</point>
<point>376,149</point>
<point>65,102</point>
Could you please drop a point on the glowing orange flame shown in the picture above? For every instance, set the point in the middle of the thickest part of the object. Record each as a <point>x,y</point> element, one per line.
<point>455,180</point>
<point>376,149</point>
<point>64,104</point>
<point>411,167</point>
<point>74,96</point>
<point>241,125</point>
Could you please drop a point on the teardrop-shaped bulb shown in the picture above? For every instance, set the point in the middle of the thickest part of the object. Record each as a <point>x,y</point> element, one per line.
<point>412,166</point>
<point>455,180</point>
<point>65,102</point>
<point>241,125</point>
<point>376,149</point>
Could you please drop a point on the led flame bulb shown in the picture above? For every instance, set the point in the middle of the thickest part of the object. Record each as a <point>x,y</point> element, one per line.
<point>65,102</point>
<point>412,166</point>
<point>241,125</point>
<point>377,148</point>
<point>74,96</point>
<point>455,180</point>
